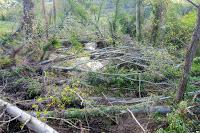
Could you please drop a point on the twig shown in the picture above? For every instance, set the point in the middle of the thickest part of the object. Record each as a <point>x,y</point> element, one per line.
<point>66,122</point>
<point>4,122</point>
<point>106,98</point>
<point>144,131</point>
<point>4,85</point>
<point>83,101</point>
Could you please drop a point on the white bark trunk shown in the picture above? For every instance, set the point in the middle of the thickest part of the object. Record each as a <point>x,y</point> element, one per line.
<point>30,121</point>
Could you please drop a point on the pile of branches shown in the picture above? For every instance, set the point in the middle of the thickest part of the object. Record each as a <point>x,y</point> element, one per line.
<point>140,61</point>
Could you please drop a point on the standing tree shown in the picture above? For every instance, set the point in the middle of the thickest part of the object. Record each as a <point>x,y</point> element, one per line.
<point>189,56</point>
<point>28,9</point>
<point>113,24</point>
<point>54,11</point>
<point>138,19</point>
<point>45,19</point>
<point>158,13</point>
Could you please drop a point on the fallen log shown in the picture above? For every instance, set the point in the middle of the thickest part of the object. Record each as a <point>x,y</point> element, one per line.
<point>63,69</point>
<point>97,100</point>
<point>30,121</point>
<point>114,101</point>
<point>45,62</point>
<point>104,111</point>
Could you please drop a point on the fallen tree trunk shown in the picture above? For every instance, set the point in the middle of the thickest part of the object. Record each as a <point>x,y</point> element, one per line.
<point>105,111</point>
<point>30,121</point>
<point>97,100</point>
<point>114,101</point>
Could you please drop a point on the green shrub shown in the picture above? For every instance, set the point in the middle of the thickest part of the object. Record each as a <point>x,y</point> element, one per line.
<point>5,61</point>
<point>122,79</point>
<point>52,44</point>
<point>127,24</point>
<point>75,42</point>
<point>179,32</point>
<point>79,10</point>
<point>44,53</point>
<point>195,71</point>
<point>68,95</point>
<point>32,86</point>
<point>5,74</point>
<point>19,81</point>
<point>23,71</point>
<point>67,98</point>
<point>172,73</point>
<point>11,14</point>
<point>191,87</point>
<point>176,121</point>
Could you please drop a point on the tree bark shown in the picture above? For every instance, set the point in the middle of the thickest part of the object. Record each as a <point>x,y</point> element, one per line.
<point>157,22</point>
<point>30,121</point>
<point>54,11</point>
<point>113,24</point>
<point>138,20</point>
<point>188,59</point>
<point>28,9</point>
<point>198,51</point>
<point>105,111</point>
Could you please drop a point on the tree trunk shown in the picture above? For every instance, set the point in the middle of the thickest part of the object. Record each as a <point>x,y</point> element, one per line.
<point>28,9</point>
<point>198,51</point>
<point>138,20</point>
<point>157,22</point>
<point>30,121</point>
<point>106,111</point>
<point>113,24</point>
<point>188,59</point>
<point>45,18</point>
<point>54,11</point>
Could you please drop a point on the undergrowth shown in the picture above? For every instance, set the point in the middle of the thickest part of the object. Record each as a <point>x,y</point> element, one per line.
<point>195,71</point>
<point>20,80</point>
<point>178,120</point>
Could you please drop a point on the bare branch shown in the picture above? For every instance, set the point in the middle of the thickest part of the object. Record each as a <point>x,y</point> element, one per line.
<point>144,131</point>
<point>191,2</point>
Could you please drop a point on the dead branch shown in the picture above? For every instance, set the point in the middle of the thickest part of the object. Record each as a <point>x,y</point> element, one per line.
<point>136,120</point>
<point>194,93</point>
<point>191,2</point>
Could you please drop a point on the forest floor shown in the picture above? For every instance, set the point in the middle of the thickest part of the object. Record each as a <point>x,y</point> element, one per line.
<point>69,80</point>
